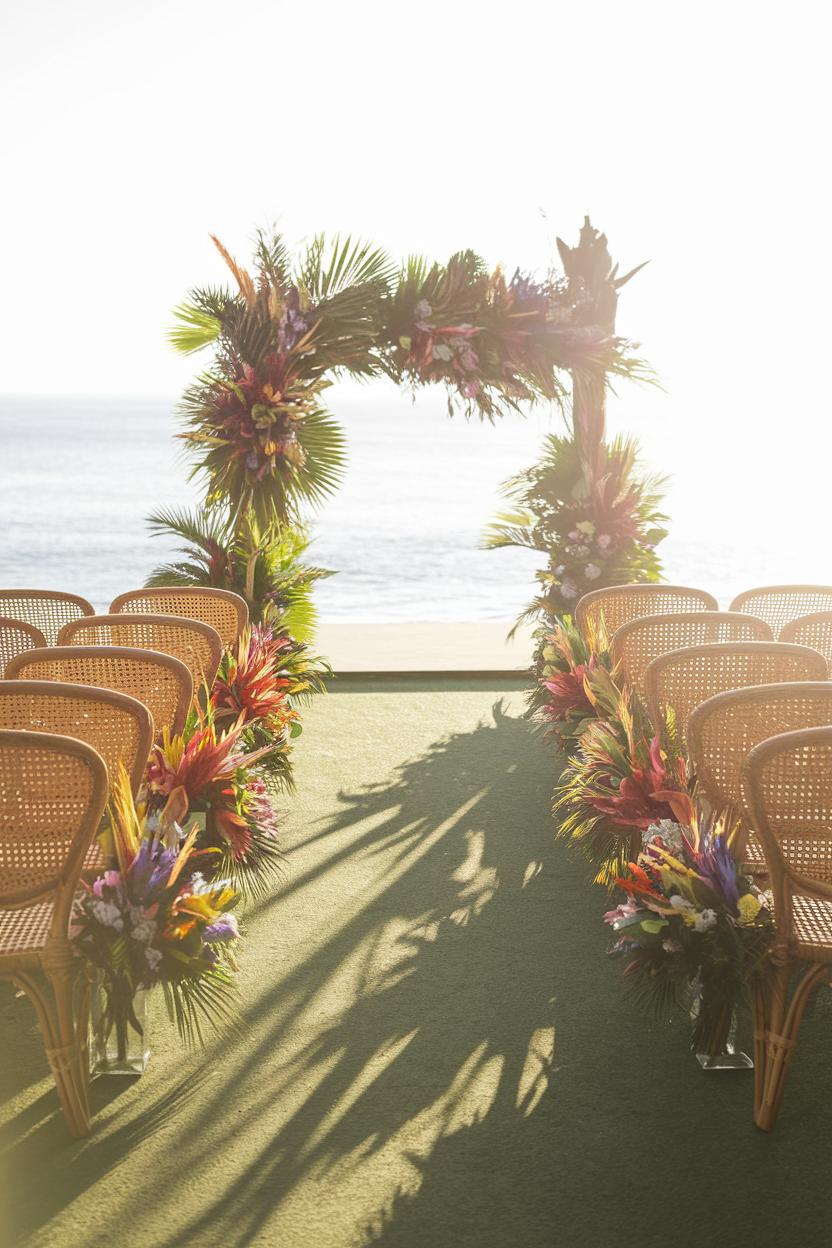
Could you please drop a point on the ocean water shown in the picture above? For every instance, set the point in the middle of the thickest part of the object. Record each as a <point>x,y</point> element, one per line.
<point>79,476</point>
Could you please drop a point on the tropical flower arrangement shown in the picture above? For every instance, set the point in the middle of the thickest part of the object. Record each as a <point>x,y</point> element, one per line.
<point>692,925</point>
<point>208,769</point>
<point>622,778</point>
<point>153,918</point>
<point>255,425</point>
<point>597,520</point>
<point>564,696</point>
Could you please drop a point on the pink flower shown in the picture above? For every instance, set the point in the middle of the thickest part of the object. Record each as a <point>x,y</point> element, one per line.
<point>624,911</point>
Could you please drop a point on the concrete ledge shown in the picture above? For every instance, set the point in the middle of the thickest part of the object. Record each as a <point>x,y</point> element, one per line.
<point>425,649</point>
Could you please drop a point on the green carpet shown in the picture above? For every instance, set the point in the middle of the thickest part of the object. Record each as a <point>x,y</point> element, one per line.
<point>437,1051</point>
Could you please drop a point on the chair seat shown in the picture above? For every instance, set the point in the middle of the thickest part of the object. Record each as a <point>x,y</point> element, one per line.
<point>24,932</point>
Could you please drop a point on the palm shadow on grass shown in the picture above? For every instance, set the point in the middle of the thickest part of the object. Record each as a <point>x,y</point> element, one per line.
<point>479,934</point>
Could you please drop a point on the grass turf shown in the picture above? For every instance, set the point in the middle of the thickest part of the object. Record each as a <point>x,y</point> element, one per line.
<point>436,1050</point>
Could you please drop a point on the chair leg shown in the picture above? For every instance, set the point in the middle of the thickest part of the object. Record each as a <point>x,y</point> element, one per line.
<point>73,1046</point>
<point>60,1056</point>
<point>776,1029</point>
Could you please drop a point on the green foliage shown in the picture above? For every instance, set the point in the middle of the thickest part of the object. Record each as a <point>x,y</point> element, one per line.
<point>264,566</point>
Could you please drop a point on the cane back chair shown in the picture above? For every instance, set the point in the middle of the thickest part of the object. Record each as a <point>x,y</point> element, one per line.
<point>46,609</point>
<point>198,645</point>
<point>813,630</point>
<point>223,610</point>
<point>788,790</point>
<point>53,791</point>
<point>162,682</point>
<point>681,679</point>
<point>618,604</point>
<point>778,605</point>
<point>636,644</point>
<point>15,637</point>
<point>724,729</point>
<point>117,726</point>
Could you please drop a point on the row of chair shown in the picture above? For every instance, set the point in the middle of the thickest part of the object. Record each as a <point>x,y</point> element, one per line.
<point>755,714</point>
<point>778,605</point>
<point>82,694</point>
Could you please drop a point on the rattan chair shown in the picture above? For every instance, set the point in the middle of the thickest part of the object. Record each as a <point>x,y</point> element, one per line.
<point>117,726</point>
<point>618,604</point>
<point>724,729</point>
<point>53,791</point>
<point>681,679</point>
<point>778,605</point>
<point>162,682</point>
<point>198,645</point>
<point>48,611</point>
<point>15,637</point>
<point>636,644</point>
<point>811,630</point>
<point>788,787</point>
<point>223,610</point>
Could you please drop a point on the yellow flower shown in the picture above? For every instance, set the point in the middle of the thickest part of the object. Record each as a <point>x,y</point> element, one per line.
<point>749,907</point>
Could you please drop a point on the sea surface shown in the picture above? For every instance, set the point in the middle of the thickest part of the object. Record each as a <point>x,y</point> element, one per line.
<point>78,478</point>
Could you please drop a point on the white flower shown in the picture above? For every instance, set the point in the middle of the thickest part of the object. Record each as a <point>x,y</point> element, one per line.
<point>142,928</point>
<point>592,571</point>
<point>153,956</point>
<point>107,914</point>
<point>441,352</point>
<point>422,310</point>
<point>705,920</point>
<point>603,540</point>
<point>560,569</point>
<point>568,590</point>
<point>669,831</point>
<point>680,903</point>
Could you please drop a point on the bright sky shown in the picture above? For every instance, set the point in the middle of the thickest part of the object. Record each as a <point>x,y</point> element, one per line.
<point>696,136</point>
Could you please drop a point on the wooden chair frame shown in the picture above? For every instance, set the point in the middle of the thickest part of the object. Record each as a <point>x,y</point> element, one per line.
<point>48,610</point>
<point>802,902</point>
<point>226,611</point>
<point>31,637</point>
<point>110,665</point>
<point>55,998</point>
<point>763,602</point>
<point>630,602</point>
<point>198,645</point>
<point>636,644</point>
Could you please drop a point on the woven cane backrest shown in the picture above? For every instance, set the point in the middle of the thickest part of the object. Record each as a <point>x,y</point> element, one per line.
<point>162,682</point>
<point>682,679</point>
<point>52,795</point>
<point>48,611</point>
<point>15,637</point>
<point>636,644</point>
<point>788,788</point>
<point>811,630</point>
<point>778,605</point>
<point>198,645</point>
<point>618,604</point>
<point>724,729</point>
<point>117,726</point>
<point>223,610</point>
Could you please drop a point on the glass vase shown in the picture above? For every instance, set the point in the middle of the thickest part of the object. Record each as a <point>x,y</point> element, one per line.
<point>720,1037</point>
<point>118,1029</point>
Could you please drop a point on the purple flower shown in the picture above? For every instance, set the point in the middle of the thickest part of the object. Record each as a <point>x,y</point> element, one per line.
<point>222,931</point>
